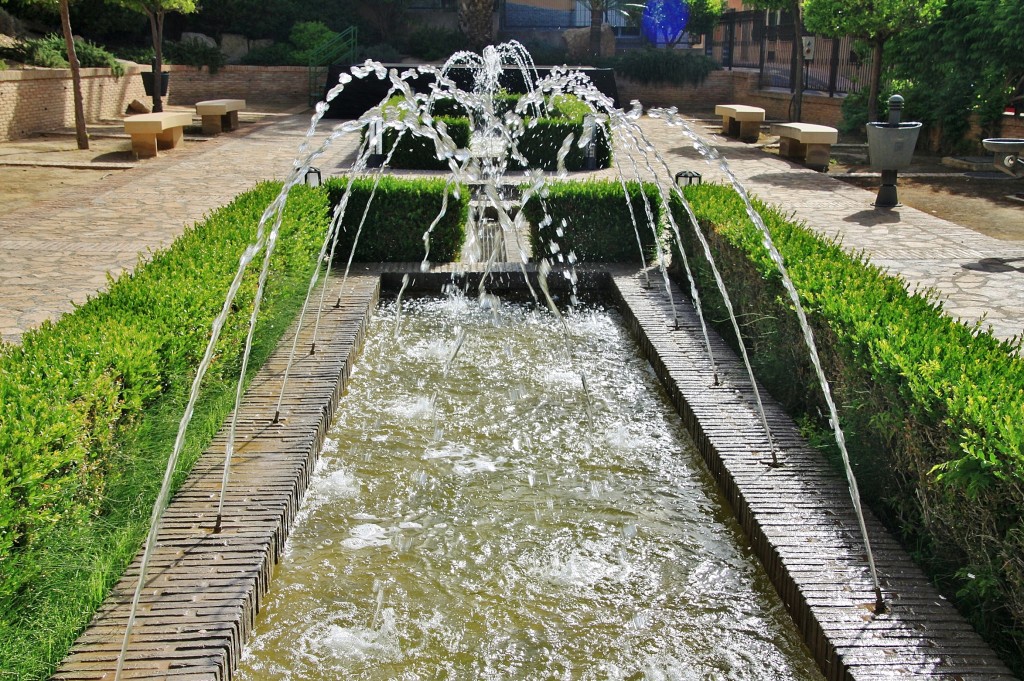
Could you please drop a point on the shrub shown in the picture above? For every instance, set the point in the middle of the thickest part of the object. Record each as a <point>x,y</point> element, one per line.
<point>195,53</point>
<point>307,37</point>
<point>402,211</point>
<point>83,396</point>
<point>593,221</point>
<point>50,52</point>
<point>931,408</point>
<point>382,52</point>
<point>662,66</point>
<point>277,54</point>
<point>539,143</point>
<point>432,43</point>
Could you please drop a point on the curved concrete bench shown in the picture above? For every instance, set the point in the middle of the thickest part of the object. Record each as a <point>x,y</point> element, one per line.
<point>219,114</point>
<point>808,143</point>
<point>153,131</point>
<point>741,121</point>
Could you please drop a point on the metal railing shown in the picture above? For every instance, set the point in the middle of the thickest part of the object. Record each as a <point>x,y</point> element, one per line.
<point>765,41</point>
<point>341,48</point>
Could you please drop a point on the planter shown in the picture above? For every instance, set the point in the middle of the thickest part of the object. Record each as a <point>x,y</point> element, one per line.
<point>891,146</point>
<point>147,82</point>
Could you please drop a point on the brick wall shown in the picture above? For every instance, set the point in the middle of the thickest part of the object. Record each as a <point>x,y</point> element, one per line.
<point>32,100</point>
<point>278,84</point>
<point>730,87</point>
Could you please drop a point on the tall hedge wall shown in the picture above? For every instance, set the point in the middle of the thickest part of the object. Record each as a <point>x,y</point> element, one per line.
<point>598,226</point>
<point>401,212</point>
<point>933,410</point>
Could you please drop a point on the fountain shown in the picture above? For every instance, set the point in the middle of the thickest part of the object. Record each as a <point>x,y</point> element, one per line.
<point>659,317</point>
<point>890,149</point>
<point>1007,152</point>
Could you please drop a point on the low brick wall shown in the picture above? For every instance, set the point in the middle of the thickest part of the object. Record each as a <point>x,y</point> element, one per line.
<point>738,86</point>
<point>279,84</point>
<point>32,100</point>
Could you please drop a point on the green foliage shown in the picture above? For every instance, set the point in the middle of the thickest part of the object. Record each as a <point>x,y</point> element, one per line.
<point>385,53</point>
<point>932,409</point>
<point>593,221</point>
<point>977,71</point>
<point>277,54</point>
<point>663,66</point>
<point>432,43</point>
<point>195,53</point>
<point>868,19</point>
<point>50,52</point>
<point>415,152</point>
<point>307,37</point>
<point>539,142</point>
<point>400,215</point>
<point>91,405</point>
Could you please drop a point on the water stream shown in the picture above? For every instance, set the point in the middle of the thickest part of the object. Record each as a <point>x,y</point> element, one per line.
<point>466,521</point>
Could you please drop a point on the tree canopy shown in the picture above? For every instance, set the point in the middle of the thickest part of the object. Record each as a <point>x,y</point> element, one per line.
<point>874,21</point>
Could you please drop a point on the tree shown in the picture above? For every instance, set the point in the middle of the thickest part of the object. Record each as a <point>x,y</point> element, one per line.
<point>476,22</point>
<point>63,8</point>
<point>793,8</point>
<point>874,21</point>
<point>155,11</point>
<point>670,21</point>
<point>979,70</point>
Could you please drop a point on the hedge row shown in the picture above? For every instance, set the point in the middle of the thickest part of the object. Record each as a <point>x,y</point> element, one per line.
<point>401,213</point>
<point>539,142</point>
<point>598,226</point>
<point>933,410</point>
<point>77,393</point>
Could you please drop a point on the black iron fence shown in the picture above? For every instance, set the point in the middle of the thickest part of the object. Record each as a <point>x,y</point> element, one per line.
<point>765,41</point>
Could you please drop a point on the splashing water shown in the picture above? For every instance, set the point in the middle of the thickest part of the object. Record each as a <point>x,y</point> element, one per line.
<point>521,543</point>
<point>483,166</point>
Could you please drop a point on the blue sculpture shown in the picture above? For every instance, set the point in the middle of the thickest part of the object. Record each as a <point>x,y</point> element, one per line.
<point>663,20</point>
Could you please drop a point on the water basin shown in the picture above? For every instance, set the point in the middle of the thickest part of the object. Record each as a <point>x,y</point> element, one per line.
<point>468,519</point>
<point>1004,145</point>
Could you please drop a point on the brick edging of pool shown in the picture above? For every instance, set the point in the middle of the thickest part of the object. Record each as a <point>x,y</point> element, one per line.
<point>204,590</point>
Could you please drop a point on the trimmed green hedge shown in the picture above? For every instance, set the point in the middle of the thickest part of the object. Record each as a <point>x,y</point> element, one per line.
<point>933,410</point>
<point>402,211</point>
<point>90,410</point>
<point>598,226</point>
<point>538,144</point>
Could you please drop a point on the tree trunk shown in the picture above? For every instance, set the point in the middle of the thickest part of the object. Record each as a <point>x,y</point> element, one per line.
<point>798,33</point>
<point>81,134</point>
<point>876,79</point>
<point>596,19</point>
<point>156,28</point>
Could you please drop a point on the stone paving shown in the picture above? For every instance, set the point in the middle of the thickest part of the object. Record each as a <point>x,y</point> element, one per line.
<point>57,253</point>
<point>973,274</point>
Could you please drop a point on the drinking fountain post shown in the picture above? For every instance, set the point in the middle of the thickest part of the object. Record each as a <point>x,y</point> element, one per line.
<point>888,197</point>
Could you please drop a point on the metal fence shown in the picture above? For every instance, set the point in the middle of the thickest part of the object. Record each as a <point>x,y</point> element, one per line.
<point>764,40</point>
<point>555,15</point>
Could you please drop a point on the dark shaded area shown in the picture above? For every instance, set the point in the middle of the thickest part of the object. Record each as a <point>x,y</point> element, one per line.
<point>364,93</point>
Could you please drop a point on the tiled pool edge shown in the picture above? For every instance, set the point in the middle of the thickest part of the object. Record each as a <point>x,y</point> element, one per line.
<point>207,589</point>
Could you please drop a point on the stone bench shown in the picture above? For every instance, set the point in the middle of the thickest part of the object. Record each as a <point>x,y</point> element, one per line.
<point>153,131</point>
<point>219,114</point>
<point>741,121</point>
<point>808,143</point>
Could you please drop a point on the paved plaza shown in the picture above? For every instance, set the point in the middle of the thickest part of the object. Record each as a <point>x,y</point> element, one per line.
<point>57,253</point>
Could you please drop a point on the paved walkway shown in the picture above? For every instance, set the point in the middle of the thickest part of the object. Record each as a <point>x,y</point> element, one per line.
<point>56,254</point>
